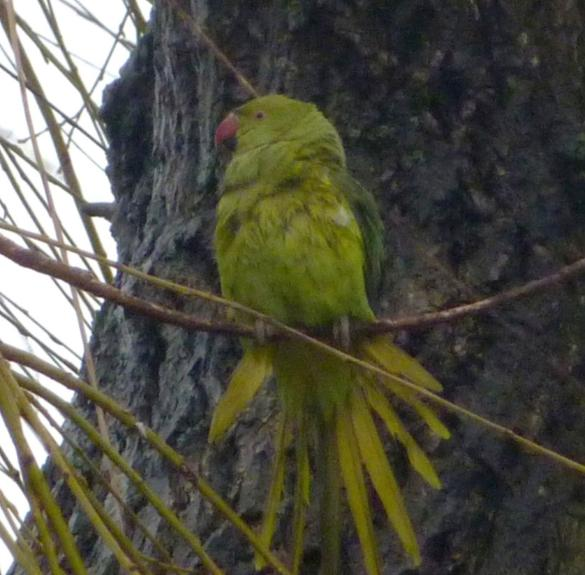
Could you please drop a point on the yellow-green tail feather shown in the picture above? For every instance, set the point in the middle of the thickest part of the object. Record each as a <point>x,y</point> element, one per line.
<point>302,494</point>
<point>355,487</point>
<point>416,456</point>
<point>329,485</point>
<point>327,406</point>
<point>252,371</point>
<point>395,361</point>
<point>398,363</point>
<point>276,488</point>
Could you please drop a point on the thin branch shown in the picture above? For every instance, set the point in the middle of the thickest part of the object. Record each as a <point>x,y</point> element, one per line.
<point>37,490</point>
<point>11,147</point>
<point>99,78</point>
<point>64,117</point>
<point>213,47</point>
<point>26,71</point>
<point>124,416</point>
<point>11,515</point>
<point>9,470</point>
<point>101,519</point>
<point>86,281</point>
<point>6,300</point>
<point>21,552</point>
<point>78,489</point>
<point>425,320</point>
<point>11,318</point>
<point>84,13</point>
<point>61,289</point>
<point>72,74</point>
<point>98,475</point>
<point>83,280</point>
<point>99,209</point>
<point>25,199</point>
<point>166,451</point>
<point>136,15</point>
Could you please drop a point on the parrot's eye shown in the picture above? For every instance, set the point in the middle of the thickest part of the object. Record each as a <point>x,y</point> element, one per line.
<point>260,115</point>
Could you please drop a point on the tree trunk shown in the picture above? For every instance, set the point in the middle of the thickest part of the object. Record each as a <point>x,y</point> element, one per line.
<point>465,118</point>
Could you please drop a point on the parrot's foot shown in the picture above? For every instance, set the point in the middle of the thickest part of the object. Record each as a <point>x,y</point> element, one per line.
<point>262,331</point>
<point>342,332</point>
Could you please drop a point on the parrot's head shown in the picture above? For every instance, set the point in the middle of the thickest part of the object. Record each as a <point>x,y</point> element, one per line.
<point>275,119</point>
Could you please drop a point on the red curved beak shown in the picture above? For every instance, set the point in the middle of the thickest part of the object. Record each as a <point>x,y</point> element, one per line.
<point>227,129</point>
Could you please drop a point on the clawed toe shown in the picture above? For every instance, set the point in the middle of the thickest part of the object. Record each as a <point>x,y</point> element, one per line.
<point>262,331</point>
<point>342,332</point>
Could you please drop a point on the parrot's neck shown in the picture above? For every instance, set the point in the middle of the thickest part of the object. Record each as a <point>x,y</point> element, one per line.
<point>274,164</point>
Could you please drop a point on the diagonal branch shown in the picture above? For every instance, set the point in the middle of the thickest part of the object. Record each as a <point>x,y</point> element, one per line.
<point>83,280</point>
<point>86,281</point>
<point>413,322</point>
<point>213,48</point>
<point>126,418</point>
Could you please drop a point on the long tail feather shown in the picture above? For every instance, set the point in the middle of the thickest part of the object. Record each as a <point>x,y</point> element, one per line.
<point>418,459</point>
<point>252,371</point>
<point>424,411</point>
<point>380,472</point>
<point>276,489</point>
<point>328,405</point>
<point>330,499</point>
<point>427,415</point>
<point>353,479</point>
<point>398,362</point>
<point>301,496</point>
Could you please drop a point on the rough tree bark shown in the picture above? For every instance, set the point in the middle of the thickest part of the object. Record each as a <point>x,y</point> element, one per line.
<point>466,120</point>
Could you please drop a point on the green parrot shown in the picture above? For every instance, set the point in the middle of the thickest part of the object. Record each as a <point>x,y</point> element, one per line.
<point>299,239</point>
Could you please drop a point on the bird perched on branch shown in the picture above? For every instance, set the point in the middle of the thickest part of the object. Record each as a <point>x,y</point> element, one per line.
<point>299,239</point>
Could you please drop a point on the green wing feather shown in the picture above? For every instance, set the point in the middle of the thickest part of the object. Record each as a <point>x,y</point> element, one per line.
<point>367,214</point>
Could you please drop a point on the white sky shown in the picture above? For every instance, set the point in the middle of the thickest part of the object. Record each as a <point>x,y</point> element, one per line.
<point>36,293</point>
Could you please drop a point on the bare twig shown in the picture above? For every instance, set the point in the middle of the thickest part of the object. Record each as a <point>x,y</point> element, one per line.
<point>25,198</point>
<point>65,118</point>
<point>26,73</point>
<point>7,314</point>
<point>98,475</point>
<point>214,48</point>
<point>99,209</point>
<point>129,420</point>
<point>23,358</point>
<point>481,306</point>
<point>136,15</point>
<point>72,73</point>
<point>82,11</point>
<point>37,490</point>
<point>102,72</point>
<point>12,148</point>
<point>85,281</point>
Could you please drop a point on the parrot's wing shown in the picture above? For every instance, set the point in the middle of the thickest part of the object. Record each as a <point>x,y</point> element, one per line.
<point>365,209</point>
